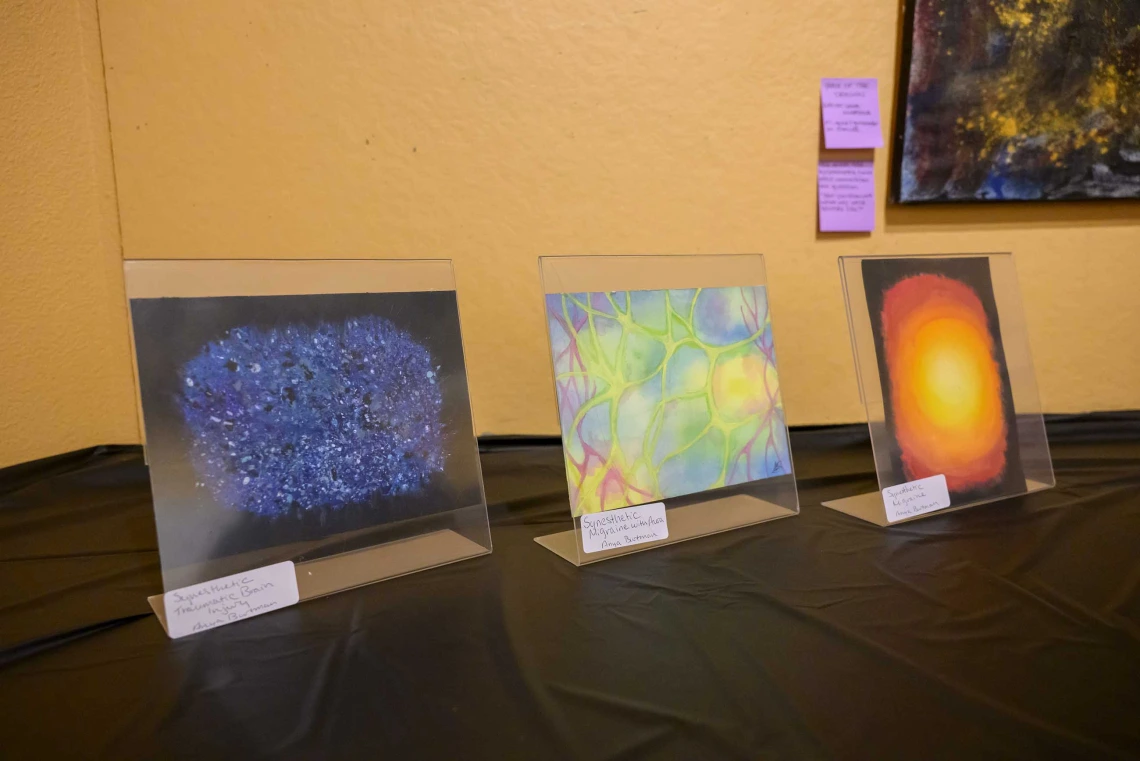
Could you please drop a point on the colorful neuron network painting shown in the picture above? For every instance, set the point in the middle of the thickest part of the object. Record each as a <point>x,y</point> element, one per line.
<point>665,393</point>
<point>1019,100</point>
<point>945,383</point>
<point>296,421</point>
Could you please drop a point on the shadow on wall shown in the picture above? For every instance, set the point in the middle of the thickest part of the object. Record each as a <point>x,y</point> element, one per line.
<point>960,216</point>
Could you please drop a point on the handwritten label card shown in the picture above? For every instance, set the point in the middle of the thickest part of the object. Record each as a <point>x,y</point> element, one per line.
<point>851,113</point>
<point>627,527</point>
<point>915,498</point>
<point>231,598</point>
<point>846,196</point>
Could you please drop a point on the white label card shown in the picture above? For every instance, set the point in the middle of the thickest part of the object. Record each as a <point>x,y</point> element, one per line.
<point>629,526</point>
<point>915,498</point>
<point>231,598</point>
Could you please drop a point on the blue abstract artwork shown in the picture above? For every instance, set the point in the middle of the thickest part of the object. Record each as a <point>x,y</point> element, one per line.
<point>300,418</point>
<point>300,426</point>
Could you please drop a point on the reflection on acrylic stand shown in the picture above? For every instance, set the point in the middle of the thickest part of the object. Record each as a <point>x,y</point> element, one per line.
<point>668,398</point>
<point>945,373</point>
<point>314,412</point>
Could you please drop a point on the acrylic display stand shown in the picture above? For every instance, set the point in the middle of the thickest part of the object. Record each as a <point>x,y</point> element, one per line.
<point>693,515</point>
<point>340,561</point>
<point>1033,446</point>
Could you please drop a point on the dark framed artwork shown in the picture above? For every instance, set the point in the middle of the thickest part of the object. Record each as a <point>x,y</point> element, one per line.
<point>1018,100</point>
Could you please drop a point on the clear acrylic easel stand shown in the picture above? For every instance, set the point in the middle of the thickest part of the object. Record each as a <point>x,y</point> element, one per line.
<point>1033,450</point>
<point>342,561</point>
<point>703,513</point>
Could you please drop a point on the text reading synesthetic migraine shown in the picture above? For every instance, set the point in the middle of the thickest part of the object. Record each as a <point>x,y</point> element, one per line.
<point>615,529</point>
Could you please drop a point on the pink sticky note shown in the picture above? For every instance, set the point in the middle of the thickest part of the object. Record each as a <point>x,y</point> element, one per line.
<point>851,113</point>
<point>846,196</point>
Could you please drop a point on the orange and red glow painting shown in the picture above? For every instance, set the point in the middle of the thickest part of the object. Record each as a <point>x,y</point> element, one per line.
<point>946,388</point>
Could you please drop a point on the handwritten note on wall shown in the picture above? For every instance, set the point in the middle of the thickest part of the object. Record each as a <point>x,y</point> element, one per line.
<point>846,196</point>
<point>851,113</point>
<point>629,526</point>
<point>231,598</point>
<point>915,498</point>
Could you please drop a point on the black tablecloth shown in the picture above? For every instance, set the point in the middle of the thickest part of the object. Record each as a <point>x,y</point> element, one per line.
<point>1007,631</point>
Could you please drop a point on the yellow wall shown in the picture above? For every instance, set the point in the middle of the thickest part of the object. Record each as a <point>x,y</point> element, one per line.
<point>492,132</point>
<point>65,373</point>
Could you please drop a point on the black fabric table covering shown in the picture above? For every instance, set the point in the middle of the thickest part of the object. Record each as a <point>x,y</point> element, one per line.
<point>1007,631</point>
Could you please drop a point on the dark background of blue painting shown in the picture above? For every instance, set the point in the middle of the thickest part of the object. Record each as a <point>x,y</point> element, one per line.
<point>192,527</point>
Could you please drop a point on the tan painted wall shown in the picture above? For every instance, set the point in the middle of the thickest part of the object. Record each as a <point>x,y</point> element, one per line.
<point>493,132</point>
<point>65,374</point>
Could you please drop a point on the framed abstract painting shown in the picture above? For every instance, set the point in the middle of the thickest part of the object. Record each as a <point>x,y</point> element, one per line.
<point>947,380</point>
<point>1018,100</point>
<point>667,391</point>
<point>307,411</point>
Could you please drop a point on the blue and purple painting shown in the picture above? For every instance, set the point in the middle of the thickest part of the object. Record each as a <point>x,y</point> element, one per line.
<point>300,418</point>
<point>293,420</point>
